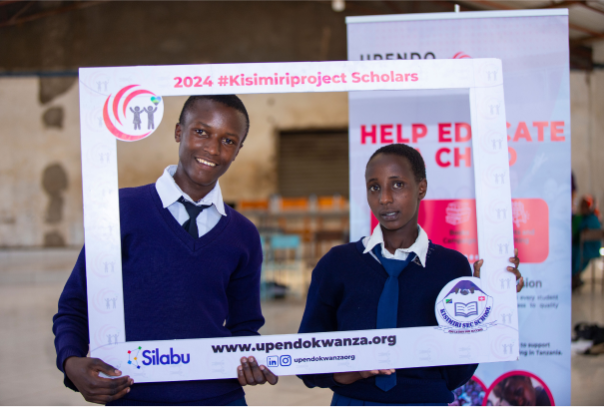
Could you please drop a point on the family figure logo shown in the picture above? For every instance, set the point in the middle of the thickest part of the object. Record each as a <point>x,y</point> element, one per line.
<point>133,113</point>
<point>463,307</point>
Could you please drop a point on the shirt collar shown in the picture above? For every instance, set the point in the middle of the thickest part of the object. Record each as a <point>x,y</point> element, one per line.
<point>419,247</point>
<point>169,192</point>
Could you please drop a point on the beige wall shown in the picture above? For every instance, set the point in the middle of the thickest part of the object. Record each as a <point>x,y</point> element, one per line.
<point>253,174</point>
<point>587,126</point>
<point>29,146</point>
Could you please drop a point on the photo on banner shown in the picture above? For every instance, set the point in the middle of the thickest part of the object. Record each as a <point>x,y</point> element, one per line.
<point>480,311</point>
<point>533,47</point>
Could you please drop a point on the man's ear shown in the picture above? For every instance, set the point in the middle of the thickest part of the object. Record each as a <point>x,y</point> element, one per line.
<point>237,153</point>
<point>178,132</point>
<point>423,188</point>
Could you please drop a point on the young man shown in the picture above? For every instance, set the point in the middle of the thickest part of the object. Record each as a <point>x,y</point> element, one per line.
<point>191,268</point>
<point>388,280</point>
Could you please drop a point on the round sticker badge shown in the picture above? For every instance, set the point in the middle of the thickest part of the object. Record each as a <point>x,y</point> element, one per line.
<point>463,307</point>
<point>133,113</point>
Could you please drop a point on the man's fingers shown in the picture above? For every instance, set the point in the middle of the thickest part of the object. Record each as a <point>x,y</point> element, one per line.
<point>119,395</point>
<point>110,386</point>
<point>247,371</point>
<point>270,376</point>
<point>104,399</point>
<point>258,375</point>
<point>105,368</point>
<point>477,265</point>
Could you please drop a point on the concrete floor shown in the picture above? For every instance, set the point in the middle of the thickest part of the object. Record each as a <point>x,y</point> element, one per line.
<point>31,282</point>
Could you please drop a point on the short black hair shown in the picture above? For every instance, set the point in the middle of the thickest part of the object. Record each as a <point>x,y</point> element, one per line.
<point>415,158</point>
<point>232,101</point>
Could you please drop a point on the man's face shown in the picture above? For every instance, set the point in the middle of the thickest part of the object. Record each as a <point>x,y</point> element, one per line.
<point>519,391</point>
<point>210,139</point>
<point>393,193</point>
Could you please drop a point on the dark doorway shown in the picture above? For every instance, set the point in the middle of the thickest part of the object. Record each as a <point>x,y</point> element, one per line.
<point>313,162</point>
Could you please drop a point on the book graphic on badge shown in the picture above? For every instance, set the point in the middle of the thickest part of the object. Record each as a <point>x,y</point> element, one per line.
<point>466,310</point>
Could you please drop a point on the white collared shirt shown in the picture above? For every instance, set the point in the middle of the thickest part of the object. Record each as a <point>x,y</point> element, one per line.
<point>169,193</point>
<point>419,247</point>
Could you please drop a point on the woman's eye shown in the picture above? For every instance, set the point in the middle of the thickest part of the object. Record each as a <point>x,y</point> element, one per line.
<point>374,188</point>
<point>398,185</point>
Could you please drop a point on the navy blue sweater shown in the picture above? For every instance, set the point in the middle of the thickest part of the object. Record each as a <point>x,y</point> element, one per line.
<point>175,287</point>
<point>343,296</point>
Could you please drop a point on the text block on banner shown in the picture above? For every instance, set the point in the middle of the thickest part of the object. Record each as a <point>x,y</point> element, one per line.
<point>533,48</point>
<point>493,336</point>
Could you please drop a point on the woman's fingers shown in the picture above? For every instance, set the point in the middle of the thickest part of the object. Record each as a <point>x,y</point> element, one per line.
<point>477,265</point>
<point>519,284</point>
<point>514,270</point>
<point>515,260</point>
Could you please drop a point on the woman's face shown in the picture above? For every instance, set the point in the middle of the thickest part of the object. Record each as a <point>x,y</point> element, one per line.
<point>393,193</point>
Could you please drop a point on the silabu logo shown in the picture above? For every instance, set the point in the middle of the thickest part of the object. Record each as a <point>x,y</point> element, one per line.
<point>133,113</point>
<point>138,357</point>
<point>463,307</point>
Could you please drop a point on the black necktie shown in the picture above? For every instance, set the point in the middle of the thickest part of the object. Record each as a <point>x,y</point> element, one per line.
<point>193,210</point>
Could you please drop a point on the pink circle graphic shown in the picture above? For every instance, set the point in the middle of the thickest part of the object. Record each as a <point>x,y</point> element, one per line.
<point>117,108</point>
<point>525,388</point>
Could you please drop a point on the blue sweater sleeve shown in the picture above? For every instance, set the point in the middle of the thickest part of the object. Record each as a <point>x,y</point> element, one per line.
<point>320,315</point>
<point>243,292</point>
<point>70,323</point>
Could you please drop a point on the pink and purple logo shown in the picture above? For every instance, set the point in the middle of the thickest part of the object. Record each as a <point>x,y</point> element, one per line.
<point>133,113</point>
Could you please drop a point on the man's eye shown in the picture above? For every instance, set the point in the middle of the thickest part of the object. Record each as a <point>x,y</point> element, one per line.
<point>374,188</point>
<point>200,132</point>
<point>229,141</point>
<point>398,185</point>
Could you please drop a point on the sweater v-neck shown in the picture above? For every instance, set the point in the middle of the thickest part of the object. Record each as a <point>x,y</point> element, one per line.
<point>193,244</point>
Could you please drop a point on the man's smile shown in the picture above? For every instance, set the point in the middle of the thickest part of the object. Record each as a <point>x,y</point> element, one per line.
<point>205,162</point>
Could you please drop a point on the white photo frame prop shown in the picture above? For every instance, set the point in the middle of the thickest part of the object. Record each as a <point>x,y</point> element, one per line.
<point>482,330</point>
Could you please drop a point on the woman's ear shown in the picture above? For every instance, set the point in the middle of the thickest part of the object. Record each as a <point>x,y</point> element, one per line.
<point>423,188</point>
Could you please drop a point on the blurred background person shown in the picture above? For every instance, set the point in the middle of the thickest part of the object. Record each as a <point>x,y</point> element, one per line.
<point>584,251</point>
